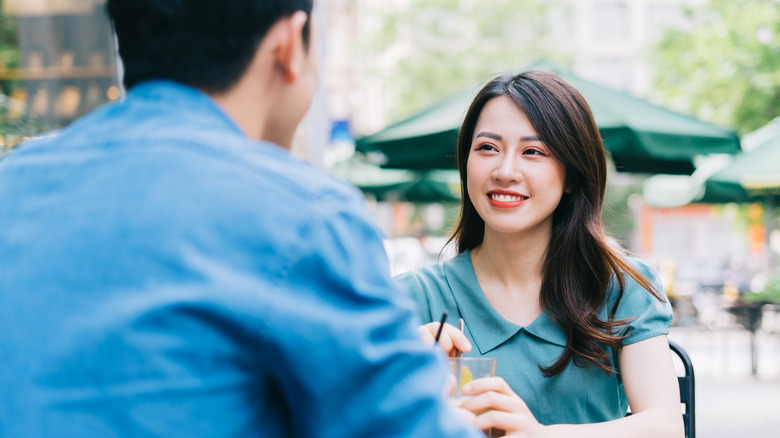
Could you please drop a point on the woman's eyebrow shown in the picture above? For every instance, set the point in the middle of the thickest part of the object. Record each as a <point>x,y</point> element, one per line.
<point>489,135</point>
<point>499,138</point>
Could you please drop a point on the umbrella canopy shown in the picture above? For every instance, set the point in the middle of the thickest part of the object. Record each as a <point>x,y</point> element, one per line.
<point>372,179</point>
<point>434,186</point>
<point>641,137</point>
<point>752,176</point>
<point>398,184</point>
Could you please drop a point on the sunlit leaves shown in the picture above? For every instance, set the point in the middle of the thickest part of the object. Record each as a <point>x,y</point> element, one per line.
<point>439,47</point>
<point>724,66</point>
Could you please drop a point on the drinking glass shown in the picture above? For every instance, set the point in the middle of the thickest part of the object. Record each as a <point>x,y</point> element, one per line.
<point>467,369</point>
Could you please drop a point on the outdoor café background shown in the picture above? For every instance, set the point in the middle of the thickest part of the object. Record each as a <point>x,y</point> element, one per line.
<point>384,60</point>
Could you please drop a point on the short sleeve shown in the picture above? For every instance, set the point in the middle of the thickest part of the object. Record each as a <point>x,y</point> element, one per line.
<point>649,316</point>
<point>410,284</point>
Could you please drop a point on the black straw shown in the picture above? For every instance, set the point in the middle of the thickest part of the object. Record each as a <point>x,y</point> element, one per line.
<point>441,326</point>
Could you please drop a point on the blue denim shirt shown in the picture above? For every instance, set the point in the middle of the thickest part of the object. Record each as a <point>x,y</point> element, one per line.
<point>163,275</point>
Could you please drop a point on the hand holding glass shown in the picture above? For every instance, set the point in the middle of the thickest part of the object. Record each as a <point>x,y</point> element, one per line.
<point>467,369</point>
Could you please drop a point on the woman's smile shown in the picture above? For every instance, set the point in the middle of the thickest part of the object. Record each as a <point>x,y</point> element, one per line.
<point>505,199</point>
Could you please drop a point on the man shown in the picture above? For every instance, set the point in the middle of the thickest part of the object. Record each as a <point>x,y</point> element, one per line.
<point>168,269</point>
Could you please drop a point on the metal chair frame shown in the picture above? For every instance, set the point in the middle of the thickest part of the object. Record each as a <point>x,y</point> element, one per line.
<point>687,390</point>
<point>687,384</point>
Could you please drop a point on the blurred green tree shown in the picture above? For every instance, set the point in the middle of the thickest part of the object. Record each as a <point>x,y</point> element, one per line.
<point>9,58</point>
<point>9,41</point>
<point>15,126</point>
<point>724,64</point>
<point>617,215</point>
<point>440,47</point>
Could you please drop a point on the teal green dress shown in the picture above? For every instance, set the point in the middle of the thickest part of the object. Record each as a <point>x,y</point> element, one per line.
<point>575,396</point>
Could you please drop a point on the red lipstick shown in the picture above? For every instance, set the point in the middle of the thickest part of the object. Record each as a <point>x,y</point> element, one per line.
<point>506,198</point>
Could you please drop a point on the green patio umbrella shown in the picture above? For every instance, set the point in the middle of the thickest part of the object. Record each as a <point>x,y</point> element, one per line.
<point>399,184</point>
<point>640,136</point>
<point>370,178</point>
<point>751,176</point>
<point>434,186</point>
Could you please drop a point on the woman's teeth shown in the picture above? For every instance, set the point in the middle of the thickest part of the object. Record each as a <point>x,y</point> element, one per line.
<point>506,198</point>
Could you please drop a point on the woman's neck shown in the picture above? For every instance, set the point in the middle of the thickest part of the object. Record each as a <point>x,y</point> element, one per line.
<point>512,259</point>
<point>510,271</point>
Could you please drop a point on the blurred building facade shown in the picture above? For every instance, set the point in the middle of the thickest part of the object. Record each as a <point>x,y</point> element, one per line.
<point>606,41</point>
<point>609,40</point>
<point>57,63</point>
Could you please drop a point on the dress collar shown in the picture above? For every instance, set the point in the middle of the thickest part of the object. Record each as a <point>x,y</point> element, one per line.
<point>487,327</point>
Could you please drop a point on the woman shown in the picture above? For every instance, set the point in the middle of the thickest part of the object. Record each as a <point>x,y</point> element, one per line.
<point>578,328</point>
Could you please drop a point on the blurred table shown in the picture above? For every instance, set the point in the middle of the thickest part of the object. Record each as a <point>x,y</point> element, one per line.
<point>749,316</point>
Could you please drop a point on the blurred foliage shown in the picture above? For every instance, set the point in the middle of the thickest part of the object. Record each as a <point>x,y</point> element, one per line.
<point>14,128</point>
<point>8,34</point>
<point>440,47</point>
<point>770,294</point>
<point>9,45</point>
<point>616,214</point>
<point>9,58</point>
<point>724,65</point>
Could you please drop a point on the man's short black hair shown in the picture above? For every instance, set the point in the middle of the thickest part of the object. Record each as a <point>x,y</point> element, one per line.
<point>204,43</point>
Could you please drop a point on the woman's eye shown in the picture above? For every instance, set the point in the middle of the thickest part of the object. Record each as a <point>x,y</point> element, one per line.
<point>485,147</point>
<point>533,152</point>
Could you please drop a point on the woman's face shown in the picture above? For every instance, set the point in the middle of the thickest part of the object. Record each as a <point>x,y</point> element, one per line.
<point>513,181</point>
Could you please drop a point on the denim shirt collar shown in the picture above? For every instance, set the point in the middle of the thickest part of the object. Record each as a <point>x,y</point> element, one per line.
<point>176,94</point>
<point>197,104</point>
<point>487,327</point>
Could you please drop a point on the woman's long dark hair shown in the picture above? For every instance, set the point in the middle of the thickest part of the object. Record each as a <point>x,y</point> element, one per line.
<point>580,262</point>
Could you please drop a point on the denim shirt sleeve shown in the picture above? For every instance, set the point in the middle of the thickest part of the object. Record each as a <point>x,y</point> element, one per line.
<point>163,275</point>
<point>354,365</point>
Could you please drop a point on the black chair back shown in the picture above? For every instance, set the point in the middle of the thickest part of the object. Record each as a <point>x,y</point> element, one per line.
<point>687,390</point>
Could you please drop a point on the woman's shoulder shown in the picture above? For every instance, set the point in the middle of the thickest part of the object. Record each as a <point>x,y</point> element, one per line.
<point>641,266</point>
<point>426,286</point>
<point>438,282</point>
<point>646,271</point>
<point>429,277</point>
<point>650,312</point>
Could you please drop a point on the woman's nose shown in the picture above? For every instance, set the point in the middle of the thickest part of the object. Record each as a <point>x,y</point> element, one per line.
<point>507,170</point>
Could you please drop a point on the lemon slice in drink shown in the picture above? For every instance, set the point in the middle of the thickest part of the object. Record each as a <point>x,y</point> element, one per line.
<point>465,376</point>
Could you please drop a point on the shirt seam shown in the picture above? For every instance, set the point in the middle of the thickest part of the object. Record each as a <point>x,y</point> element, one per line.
<point>644,335</point>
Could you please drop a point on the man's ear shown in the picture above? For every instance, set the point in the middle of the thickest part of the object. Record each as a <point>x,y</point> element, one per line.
<point>289,53</point>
